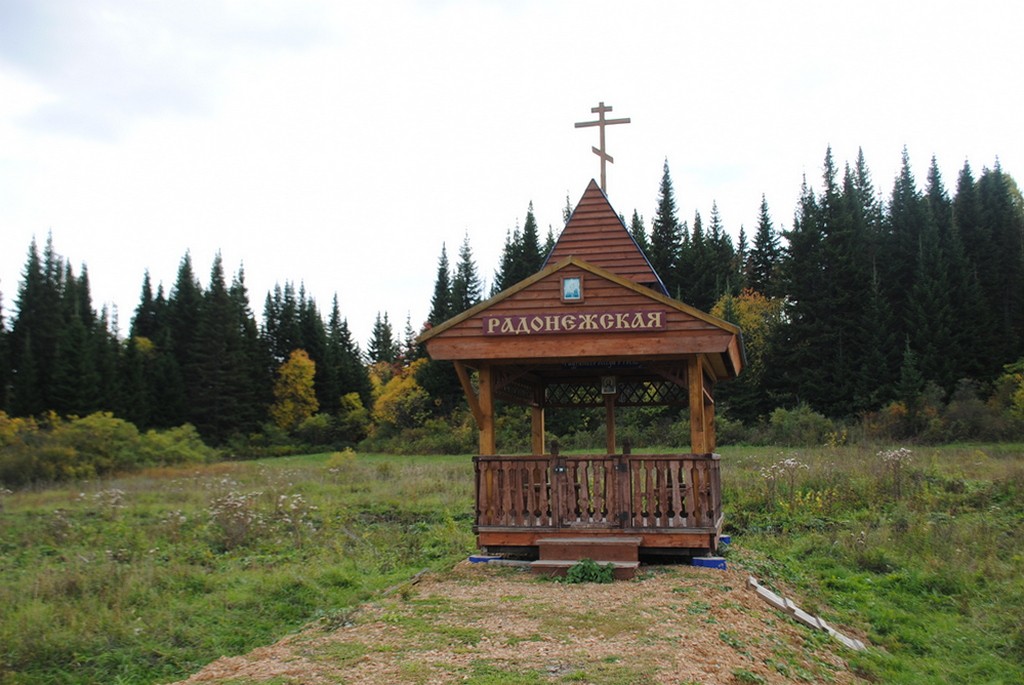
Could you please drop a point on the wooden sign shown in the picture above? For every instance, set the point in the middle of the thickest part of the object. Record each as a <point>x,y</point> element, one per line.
<point>632,320</point>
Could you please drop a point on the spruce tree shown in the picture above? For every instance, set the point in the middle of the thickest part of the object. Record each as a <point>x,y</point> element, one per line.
<point>723,260</point>
<point>73,380</point>
<point>700,273</point>
<point>312,334</point>
<point>846,278</point>
<point>531,258</point>
<point>1002,212</point>
<point>959,297</point>
<point>764,262</point>
<point>549,243</point>
<point>215,363</point>
<point>145,321</point>
<point>107,349</point>
<point>466,285</point>
<point>382,347</point>
<point>441,301</point>
<point>345,373</point>
<point>639,233</point>
<point>739,266</point>
<point>134,403</point>
<point>255,384</point>
<point>666,236</point>
<point>184,307</point>
<point>75,383</point>
<point>281,329</point>
<point>930,319</point>
<point>899,255</point>
<point>868,330</point>
<point>408,352</point>
<point>148,395</point>
<point>36,331</point>
<point>521,256</point>
<point>793,375</point>
<point>511,254</point>
<point>968,308</point>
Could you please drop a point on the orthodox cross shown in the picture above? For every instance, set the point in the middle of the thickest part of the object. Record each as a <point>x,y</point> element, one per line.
<point>601,123</point>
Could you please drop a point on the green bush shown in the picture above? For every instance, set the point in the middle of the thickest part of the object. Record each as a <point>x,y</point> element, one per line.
<point>456,435</point>
<point>107,443</point>
<point>95,445</point>
<point>181,445</point>
<point>799,427</point>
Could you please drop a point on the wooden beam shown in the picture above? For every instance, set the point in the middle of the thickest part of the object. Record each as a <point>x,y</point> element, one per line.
<point>555,348</point>
<point>471,397</point>
<point>711,441</point>
<point>698,443</point>
<point>609,421</point>
<point>537,430</point>
<point>488,443</point>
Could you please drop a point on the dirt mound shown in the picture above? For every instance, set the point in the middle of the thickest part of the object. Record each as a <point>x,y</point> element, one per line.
<point>482,624</point>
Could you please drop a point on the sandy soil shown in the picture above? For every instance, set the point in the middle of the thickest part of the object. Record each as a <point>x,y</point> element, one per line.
<point>486,624</point>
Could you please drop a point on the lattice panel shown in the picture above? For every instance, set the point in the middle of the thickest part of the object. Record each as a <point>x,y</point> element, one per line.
<point>651,392</point>
<point>631,394</point>
<point>574,395</point>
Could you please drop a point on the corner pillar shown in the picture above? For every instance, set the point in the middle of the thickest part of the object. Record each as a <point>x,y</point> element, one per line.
<point>701,439</point>
<point>488,444</point>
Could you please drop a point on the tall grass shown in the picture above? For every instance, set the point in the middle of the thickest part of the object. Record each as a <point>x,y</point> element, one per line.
<point>921,552</point>
<point>147,578</point>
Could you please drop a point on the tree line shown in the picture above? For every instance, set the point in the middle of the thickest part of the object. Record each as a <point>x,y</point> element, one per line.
<point>863,301</point>
<point>193,355</point>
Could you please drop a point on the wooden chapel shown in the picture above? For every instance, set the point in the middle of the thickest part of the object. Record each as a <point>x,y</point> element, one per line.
<point>593,328</point>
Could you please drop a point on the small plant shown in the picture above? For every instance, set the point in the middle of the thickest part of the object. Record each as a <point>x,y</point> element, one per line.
<point>295,514</point>
<point>589,571</point>
<point>894,461</point>
<point>235,518</point>
<point>784,470</point>
<point>745,676</point>
<point>698,607</point>
<point>341,465</point>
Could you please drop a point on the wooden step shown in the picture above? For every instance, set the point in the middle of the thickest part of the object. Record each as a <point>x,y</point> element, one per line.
<point>623,570</point>
<point>602,549</point>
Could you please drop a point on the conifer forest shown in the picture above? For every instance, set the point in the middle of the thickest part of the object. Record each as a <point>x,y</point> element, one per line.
<point>897,312</point>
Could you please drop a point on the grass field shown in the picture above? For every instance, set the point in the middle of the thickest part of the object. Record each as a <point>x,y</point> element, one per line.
<point>148,577</point>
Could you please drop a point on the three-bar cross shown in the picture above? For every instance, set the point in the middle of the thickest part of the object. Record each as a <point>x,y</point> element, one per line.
<point>601,123</point>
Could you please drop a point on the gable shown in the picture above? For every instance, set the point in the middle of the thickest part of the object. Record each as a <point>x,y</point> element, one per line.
<point>613,319</point>
<point>596,235</point>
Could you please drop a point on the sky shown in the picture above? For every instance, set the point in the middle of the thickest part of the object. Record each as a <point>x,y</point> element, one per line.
<point>338,145</point>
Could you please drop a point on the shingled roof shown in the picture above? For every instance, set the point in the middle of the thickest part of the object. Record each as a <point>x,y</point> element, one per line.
<point>596,235</point>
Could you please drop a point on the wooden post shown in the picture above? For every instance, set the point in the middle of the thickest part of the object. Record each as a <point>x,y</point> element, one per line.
<point>609,420</point>
<point>695,373</point>
<point>537,421</point>
<point>709,416</point>
<point>537,430</point>
<point>488,445</point>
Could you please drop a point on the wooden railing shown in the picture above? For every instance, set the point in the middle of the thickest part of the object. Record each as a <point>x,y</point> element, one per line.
<point>663,491</point>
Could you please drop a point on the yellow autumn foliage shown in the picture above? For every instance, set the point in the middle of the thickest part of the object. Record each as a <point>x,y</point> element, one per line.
<point>401,401</point>
<point>294,395</point>
<point>757,316</point>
